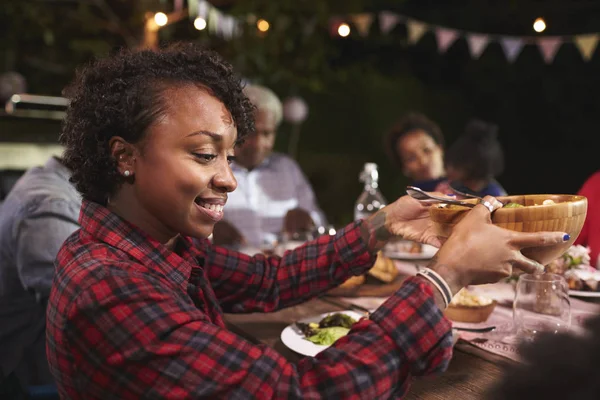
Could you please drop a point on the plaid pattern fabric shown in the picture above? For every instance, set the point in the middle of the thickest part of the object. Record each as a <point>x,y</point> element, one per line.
<point>130,319</point>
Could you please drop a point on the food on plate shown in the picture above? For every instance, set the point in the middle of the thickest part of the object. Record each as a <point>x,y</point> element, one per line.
<point>328,330</point>
<point>384,269</point>
<point>404,246</point>
<point>575,266</point>
<point>469,307</point>
<point>353,282</point>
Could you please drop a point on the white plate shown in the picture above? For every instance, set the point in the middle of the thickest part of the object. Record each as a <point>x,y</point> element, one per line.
<point>581,293</point>
<point>296,341</point>
<point>427,252</point>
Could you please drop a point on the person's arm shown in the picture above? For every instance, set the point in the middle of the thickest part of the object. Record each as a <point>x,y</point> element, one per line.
<point>39,236</point>
<point>133,336</point>
<point>245,283</point>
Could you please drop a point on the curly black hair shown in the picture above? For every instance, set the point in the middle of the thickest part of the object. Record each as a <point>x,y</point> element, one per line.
<point>121,95</point>
<point>564,366</point>
<point>409,123</point>
<point>478,151</point>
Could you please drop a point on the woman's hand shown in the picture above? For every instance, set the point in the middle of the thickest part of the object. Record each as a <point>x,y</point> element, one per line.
<point>479,252</point>
<point>407,218</point>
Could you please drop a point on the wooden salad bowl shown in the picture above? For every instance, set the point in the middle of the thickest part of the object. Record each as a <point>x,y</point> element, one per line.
<point>566,215</point>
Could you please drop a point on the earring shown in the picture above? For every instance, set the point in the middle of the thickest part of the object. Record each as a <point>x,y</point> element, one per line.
<point>126,173</point>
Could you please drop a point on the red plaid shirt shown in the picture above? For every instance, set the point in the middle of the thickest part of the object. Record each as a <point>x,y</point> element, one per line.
<point>130,319</point>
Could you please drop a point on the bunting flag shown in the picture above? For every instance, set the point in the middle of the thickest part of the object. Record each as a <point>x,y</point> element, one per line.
<point>178,5</point>
<point>226,27</point>
<point>549,47</point>
<point>193,8</point>
<point>214,20</point>
<point>477,44</point>
<point>388,21</point>
<point>363,23</point>
<point>202,9</point>
<point>587,45</point>
<point>445,38</point>
<point>512,47</point>
<point>416,30</point>
<point>229,27</point>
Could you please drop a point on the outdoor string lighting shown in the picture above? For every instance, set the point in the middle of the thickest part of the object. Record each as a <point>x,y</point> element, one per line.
<point>262,25</point>
<point>161,19</point>
<point>539,25</point>
<point>344,30</point>
<point>200,23</point>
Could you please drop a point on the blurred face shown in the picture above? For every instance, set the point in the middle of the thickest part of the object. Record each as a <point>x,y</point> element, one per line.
<point>455,174</point>
<point>181,172</point>
<point>422,157</point>
<point>258,146</point>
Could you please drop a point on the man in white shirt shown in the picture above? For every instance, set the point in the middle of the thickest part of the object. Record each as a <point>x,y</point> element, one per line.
<point>272,195</point>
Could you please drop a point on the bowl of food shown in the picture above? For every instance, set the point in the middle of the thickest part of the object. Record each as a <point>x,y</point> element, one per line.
<point>469,307</point>
<point>525,213</point>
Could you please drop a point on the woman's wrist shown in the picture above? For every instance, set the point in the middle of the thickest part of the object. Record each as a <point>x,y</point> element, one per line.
<point>375,232</point>
<point>449,274</point>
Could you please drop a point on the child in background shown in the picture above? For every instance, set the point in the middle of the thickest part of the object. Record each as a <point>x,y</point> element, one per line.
<point>474,161</point>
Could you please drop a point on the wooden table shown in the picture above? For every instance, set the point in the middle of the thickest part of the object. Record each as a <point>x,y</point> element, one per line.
<point>470,373</point>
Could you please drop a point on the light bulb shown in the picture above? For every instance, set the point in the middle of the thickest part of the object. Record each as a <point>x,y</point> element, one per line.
<point>161,19</point>
<point>344,30</point>
<point>262,25</point>
<point>200,23</point>
<point>539,25</point>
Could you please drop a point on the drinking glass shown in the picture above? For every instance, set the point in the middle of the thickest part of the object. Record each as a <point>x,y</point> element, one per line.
<point>541,305</point>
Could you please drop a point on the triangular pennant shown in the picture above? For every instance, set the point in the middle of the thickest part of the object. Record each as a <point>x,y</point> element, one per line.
<point>363,23</point>
<point>178,5</point>
<point>512,47</point>
<point>203,9</point>
<point>416,30</point>
<point>387,21</point>
<point>445,38</point>
<point>587,45</point>
<point>549,47</point>
<point>226,26</point>
<point>214,19</point>
<point>193,8</point>
<point>477,44</point>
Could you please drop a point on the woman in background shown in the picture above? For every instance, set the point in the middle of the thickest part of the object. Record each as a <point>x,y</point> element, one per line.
<point>474,161</point>
<point>416,145</point>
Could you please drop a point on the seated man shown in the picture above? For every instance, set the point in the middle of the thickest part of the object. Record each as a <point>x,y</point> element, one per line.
<point>272,195</point>
<point>38,214</point>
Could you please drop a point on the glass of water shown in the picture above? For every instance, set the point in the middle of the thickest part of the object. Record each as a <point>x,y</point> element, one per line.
<point>541,305</point>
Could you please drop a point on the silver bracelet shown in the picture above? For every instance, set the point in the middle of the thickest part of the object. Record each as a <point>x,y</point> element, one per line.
<point>438,282</point>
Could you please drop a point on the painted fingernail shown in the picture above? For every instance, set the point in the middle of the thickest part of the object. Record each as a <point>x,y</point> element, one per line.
<point>540,268</point>
<point>566,238</point>
<point>450,195</point>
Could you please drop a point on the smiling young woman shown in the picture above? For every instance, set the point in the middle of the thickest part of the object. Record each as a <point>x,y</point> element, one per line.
<point>137,303</point>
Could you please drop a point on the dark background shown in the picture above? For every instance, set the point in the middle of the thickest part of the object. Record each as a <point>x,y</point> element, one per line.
<point>357,87</point>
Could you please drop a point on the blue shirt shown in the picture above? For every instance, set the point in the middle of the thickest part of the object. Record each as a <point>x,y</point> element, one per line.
<point>38,214</point>
<point>265,194</point>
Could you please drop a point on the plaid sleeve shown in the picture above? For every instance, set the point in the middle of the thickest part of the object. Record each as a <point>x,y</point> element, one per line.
<point>259,283</point>
<point>131,337</point>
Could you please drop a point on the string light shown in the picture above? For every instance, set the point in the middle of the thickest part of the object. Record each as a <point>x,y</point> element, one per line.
<point>262,25</point>
<point>161,19</point>
<point>200,23</point>
<point>539,25</point>
<point>343,30</point>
